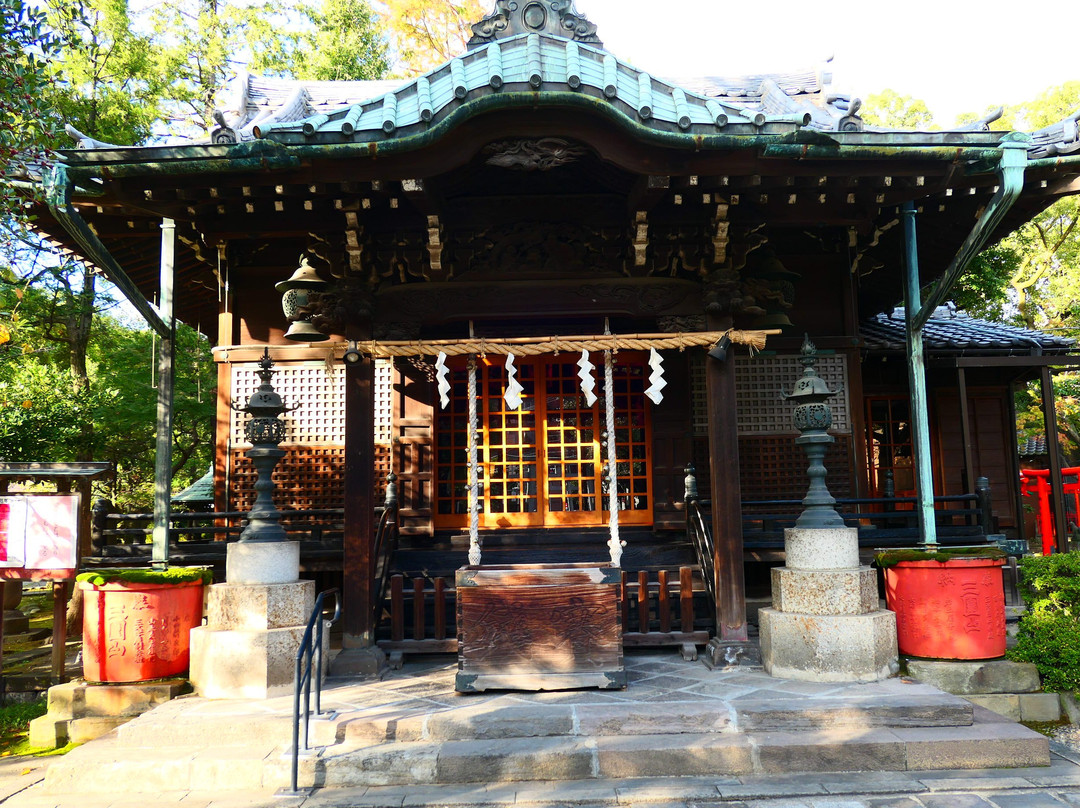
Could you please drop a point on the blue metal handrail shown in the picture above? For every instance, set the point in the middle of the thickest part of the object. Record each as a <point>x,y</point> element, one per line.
<point>310,657</point>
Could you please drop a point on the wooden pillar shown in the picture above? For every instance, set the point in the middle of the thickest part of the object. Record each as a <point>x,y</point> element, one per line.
<point>965,432</point>
<point>359,539</point>
<point>726,494</point>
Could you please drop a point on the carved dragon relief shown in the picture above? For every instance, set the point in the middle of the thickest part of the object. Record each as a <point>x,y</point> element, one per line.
<point>541,154</point>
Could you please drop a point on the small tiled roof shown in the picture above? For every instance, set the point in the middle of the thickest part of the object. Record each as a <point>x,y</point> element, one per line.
<point>202,490</point>
<point>1032,447</point>
<point>949,330</point>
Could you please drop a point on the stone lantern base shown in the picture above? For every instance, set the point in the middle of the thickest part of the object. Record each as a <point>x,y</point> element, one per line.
<point>825,624</point>
<point>255,623</point>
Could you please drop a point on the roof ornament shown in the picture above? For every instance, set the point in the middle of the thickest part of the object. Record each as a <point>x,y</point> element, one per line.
<point>514,17</point>
<point>533,155</point>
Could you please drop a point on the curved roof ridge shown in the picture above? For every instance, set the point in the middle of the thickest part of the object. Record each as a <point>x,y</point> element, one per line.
<point>537,63</point>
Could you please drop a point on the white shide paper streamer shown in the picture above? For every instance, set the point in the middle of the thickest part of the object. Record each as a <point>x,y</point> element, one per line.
<point>441,372</point>
<point>656,379</point>
<point>512,396</point>
<point>588,383</point>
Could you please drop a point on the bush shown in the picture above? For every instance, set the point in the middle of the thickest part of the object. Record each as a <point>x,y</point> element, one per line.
<point>1049,633</point>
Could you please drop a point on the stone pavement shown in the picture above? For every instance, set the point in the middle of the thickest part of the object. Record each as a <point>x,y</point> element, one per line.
<point>195,753</point>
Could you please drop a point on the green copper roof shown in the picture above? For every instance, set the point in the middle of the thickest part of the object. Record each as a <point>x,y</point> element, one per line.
<point>539,65</point>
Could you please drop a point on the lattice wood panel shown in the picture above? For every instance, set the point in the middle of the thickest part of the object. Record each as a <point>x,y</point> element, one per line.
<point>773,467</point>
<point>759,381</point>
<point>306,478</point>
<point>319,391</point>
<point>311,475</point>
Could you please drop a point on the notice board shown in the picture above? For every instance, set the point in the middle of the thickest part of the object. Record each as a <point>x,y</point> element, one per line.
<point>39,536</point>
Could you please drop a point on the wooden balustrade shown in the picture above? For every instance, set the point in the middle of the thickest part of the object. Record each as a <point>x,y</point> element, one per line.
<point>657,610</point>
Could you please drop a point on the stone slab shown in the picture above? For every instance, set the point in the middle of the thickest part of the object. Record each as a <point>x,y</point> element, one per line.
<point>673,755</point>
<point>399,764</point>
<point>276,562</point>
<point>821,548</point>
<point>1021,706</point>
<point>789,715</point>
<point>515,759</point>
<point>984,745</point>
<point>82,730</point>
<point>841,591</point>
<point>832,750</point>
<point>48,732</point>
<point>244,664</point>
<point>259,607</point>
<point>654,718</point>
<point>829,648</point>
<point>989,676</point>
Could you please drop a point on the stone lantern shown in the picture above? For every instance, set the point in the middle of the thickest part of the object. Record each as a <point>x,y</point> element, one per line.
<point>813,417</point>
<point>296,292</point>
<point>264,431</point>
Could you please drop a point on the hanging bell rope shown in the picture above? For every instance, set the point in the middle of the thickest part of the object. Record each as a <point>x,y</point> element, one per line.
<point>533,346</point>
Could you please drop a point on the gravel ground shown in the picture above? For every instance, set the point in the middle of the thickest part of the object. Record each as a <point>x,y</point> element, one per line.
<point>1069,735</point>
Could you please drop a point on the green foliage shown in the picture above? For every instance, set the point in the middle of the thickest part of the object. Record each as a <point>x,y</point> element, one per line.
<point>890,558</point>
<point>889,108</point>
<point>427,33</point>
<point>1049,633</point>
<point>337,40</point>
<point>27,124</point>
<point>105,83</point>
<point>16,716</point>
<point>199,45</point>
<point>173,575</point>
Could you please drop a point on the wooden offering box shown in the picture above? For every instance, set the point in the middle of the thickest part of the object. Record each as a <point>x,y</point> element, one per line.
<point>539,627</point>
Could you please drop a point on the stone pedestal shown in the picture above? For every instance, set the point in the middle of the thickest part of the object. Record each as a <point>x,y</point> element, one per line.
<point>255,623</point>
<point>825,624</point>
<point>79,712</point>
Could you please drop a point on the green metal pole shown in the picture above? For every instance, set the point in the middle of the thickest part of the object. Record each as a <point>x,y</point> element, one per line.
<point>920,416</point>
<point>166,355</point>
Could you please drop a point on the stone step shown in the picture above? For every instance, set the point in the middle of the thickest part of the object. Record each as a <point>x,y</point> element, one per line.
<point>989,742</point>
<point>516,720</point>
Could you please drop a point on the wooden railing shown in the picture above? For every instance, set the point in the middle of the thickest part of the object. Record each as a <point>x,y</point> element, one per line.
<point>420,614</point>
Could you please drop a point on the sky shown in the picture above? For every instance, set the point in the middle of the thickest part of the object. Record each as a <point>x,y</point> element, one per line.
<point>949,53</point>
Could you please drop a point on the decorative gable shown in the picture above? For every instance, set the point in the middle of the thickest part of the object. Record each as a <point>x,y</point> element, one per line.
<point>514,17</point>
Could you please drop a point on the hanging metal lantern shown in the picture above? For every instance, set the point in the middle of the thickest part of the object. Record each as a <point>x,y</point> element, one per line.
<point>296,293</point>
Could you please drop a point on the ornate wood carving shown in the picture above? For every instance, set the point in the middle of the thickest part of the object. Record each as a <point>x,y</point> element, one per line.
<point>438,302</point>
<point>525,250</point>
<point>543,154</point>
<point>514,17</point>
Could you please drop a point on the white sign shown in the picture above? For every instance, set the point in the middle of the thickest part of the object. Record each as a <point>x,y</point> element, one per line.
<point>39,532</point>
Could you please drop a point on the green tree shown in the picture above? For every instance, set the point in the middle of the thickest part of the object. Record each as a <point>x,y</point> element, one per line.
<point>426,33</point>
<point>889,108</point>
<point>27,123</point>
<point>1034,271</point>
<point>337,40</point>
<point>104,79</point>
<point>199,44</point>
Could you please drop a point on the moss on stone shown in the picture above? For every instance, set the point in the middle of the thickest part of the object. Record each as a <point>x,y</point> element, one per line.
<point>890,558</point>
<point>173,575</point>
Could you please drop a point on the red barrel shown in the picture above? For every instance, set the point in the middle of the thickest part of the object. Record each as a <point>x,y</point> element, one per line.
<point>951,609</point>
<point>133,632</point>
